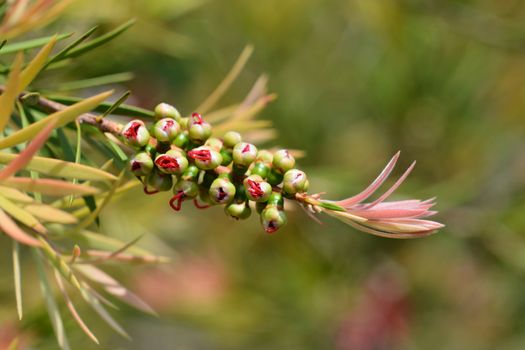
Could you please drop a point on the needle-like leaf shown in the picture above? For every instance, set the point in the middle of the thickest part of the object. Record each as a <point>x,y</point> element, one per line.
<point>8,98</point>
<point>60,168</point>
<point>21,215</point>
<point>49,187</point>
<point>30,44</point>
<point>73,310</point>
<point>11,229</point>
<point>100,40</point>
<point>36,64</point>
<point>17,274</point>
<point>60,118</point>
<point>54,313</point>
<point>22,159</point>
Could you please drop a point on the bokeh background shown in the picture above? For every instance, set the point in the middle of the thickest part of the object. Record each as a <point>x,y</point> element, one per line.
<point>357,80</point>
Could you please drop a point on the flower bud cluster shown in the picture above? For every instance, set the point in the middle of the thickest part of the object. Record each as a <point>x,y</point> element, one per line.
<point>179,154</point>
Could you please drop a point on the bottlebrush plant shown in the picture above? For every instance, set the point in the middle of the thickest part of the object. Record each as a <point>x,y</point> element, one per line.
<point>51,192</point>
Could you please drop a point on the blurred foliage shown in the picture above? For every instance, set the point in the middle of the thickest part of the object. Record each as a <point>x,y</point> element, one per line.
<point>357,80</point>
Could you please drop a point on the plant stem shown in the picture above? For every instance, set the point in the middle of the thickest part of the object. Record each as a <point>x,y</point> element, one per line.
<point>104,125</point>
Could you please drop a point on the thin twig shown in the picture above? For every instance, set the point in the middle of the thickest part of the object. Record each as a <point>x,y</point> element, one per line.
<point>104,125</point>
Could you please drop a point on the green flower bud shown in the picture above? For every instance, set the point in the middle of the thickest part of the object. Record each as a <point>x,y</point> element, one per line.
<point>205,158</point>
<point>272,218</point>
<point>164,110</point>
<point>191,173</point>
<point>231,138</point>
<point>166,129</point>
<point>141,164</point>
<point>214,143</point>
<point>260,169</point>
<point>135,133</point>
<point>151,150</point>
<point>244,154</point>
<point>295,181</point>
<point>172,162</point>
<point>238,210</point>
<point>198,129</point>
<point>227,157</point>
<point>159,181</point>
<point>276,198</point>
<point>222,191</point>
<point>183,190</point>
<point>257,189</point>
<point>181,140</point>
<point>274,178</point>
<point>265,157</point>
<point>283,161</point>
<point>189,188</point>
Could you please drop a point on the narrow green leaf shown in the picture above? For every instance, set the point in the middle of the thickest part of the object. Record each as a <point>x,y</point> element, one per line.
<point>59,264</point>
<point>47,292</point>
<point>93,215</point>
<point>61,168</point>
<point>71,46</point>
<point>17,274</point>
<point>30,44</point>
<point>100,40</point>
<point>61,117</point>
<point>123,109</point>
<point>115,105</point>
<point>94,82</point>
<point>102,241</point>
<point>69,153</point>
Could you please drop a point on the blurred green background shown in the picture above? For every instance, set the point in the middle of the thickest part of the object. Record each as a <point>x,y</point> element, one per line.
<point>357,80</point>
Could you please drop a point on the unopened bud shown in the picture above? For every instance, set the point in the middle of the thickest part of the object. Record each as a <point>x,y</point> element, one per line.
<point>135,133</point>
<point>222,191</point>
<point>272,218</point>
<point>141,164</point>
<point>205,158</point>
<point>164,110</point>
<point>159,181</point>
<point>283,161</point>
<point>244,154</point>
<point>295,181</point>
<point>166,130</point>
<point>257,189</point>
<point>198,129</point>
<point>231,138</point>
<point>172,162</point>
<point>238,210</point>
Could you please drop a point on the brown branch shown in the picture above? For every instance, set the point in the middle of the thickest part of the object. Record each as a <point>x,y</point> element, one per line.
<point>49,106</point>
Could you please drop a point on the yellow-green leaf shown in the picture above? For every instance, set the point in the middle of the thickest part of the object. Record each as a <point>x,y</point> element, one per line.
<point>8,98</point>
<point>48,213</point>
<point>21,215</point>
<point>15,195</point>
<point>62,117</point>
<point>49,187</point>
<point>61,168</point>
<point>36,64</point>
